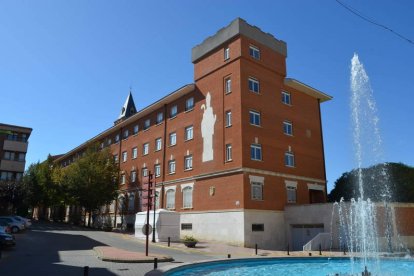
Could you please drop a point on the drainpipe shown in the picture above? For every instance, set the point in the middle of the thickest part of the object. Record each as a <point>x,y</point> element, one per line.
<point>323,150</point>
<point>119,168</point>
<point>164,165</point>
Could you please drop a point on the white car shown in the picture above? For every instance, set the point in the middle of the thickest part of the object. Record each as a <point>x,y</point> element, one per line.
<point>27,222</point>
<point>15,224</point>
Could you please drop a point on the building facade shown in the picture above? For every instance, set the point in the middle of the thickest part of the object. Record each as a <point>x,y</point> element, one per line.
<point>228,151</point>
<point>13,149</point>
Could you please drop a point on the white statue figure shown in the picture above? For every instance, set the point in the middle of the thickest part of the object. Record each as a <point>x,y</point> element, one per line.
<point>207,129</point>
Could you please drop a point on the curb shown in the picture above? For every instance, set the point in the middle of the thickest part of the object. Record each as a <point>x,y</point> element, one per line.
<point>132,257</point>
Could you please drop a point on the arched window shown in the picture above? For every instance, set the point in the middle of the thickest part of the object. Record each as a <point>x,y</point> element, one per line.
<point>188,197</point>
<point>157,200</point>
<point>170,199</point>
<point>121,203</point>
<point>131,202</point>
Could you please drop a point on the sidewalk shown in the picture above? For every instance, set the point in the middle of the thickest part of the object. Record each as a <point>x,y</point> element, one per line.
<point>112,254</point>
<point>213,249</point>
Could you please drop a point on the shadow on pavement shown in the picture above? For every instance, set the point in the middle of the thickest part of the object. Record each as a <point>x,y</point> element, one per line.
<point>40,253</point>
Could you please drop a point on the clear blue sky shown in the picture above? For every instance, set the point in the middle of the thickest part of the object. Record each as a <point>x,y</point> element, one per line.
<point>66,66</point>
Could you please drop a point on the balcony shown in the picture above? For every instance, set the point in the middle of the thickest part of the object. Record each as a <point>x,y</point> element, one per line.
<point>12,166</point>
<point>11,145</point>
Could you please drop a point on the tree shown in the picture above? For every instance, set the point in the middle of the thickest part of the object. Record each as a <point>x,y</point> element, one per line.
<point>398,177</point>
<point>11,196</point>
<point>92,181</point>
<point>42,188</point>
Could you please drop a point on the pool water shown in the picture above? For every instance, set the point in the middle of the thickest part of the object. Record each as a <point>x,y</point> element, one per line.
<point>296,266</point>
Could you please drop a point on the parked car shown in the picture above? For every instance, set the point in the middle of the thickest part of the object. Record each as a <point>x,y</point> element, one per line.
<point>27,222</point>
<point>15,225</point>
<point>7,240</point>
<point>5,227</point>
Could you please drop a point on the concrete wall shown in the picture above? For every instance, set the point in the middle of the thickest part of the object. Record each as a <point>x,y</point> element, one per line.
<point>273,236</point>
<point>226,226</point>
<point>235,227</point>
<point>311,214</point>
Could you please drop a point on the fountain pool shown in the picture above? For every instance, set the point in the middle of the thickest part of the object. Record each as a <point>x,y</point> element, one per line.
<point>293,266</point>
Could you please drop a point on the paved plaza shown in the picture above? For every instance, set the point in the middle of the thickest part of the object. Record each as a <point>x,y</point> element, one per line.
<point>62,249</point>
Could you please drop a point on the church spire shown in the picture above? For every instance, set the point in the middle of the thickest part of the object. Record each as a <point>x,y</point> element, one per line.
<point>128,109</point>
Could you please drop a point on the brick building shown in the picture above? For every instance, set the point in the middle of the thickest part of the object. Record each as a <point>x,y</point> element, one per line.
<point>228,151</point>
<point>13,149</point>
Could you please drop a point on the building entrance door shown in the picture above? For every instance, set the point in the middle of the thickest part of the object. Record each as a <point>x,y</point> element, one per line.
<point>302,234</point>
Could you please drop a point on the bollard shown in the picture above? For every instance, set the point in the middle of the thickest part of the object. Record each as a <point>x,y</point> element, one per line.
<point>288,253</point>
<point>85,270</point>
<point>169,241</point>
<point>320,249</point>
<point>155,263</point>
<point>310,254</point>
<point>256,249</point>
<point>228,256</point>
<point>344,251</point>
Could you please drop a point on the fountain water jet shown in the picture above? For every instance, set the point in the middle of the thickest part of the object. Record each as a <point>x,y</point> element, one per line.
<point>358,219</point>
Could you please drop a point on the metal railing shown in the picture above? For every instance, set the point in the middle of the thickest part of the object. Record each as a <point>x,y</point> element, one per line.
<point>320,241</point>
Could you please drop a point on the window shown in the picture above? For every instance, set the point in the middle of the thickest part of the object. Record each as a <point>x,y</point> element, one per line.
<point>157,200</point>
<point>109,141</point>
<point>115,158</point>
<point>256,152</point>
<point>287,128</point>
<point>227,85</point>
<point>117,138</point>
<point>124,156</point>
<point>286,98</point>
<point>186,226</point>
<point>136,128</point>
<point>173,139</point>
<point>257,190</point>
<point>131,202</point>
<point>171,166</point>
<point>254,118</point>
<point>289,159</point>
<point>160,117</point>
<point>157,170</point>
<point>226,53</point>
<point>158,144</point>
<point>133,176</point>
<point>123,178</point>
<point>189,104</point>
<point>254,52</point>
<point>8,155</point>
<point>126,133</point>
<point>170,204</point>
<point>19,176</point>
<point>257,227</point>
<point>145,149</point>
<point>188,197</point>
<point>228,152</point>
<point>101,146</point>
<point>188,162</point>
<point>134,152</point>
<point>173,111</point>
<point>189,133</point>
<point>6,176</point>
<point>147,124</point>
<point>144,172</point>
<point>254,85</point>
<point>291,194</point>
<point>228,118</point>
